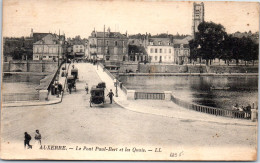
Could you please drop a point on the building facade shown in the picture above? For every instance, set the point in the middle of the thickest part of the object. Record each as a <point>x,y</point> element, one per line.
<point>197,17</point>
<point>136,50</point>
<point>50,47</point>
<point>160,50</point>
<point>182,50</point>
<point>108,46</point>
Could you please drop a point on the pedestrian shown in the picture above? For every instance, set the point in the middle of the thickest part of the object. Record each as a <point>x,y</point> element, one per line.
<point>69,87</point>
<point>110,95</point>
<point>86,88</point>
<point>27,139</point>
<point>59,87</point>
<point>38,137</point>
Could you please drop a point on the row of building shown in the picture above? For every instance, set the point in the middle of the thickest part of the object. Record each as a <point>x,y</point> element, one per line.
<point>111,46</point>
<point>117,47</point>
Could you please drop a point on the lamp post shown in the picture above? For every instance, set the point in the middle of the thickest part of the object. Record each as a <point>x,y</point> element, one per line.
<point>115,83</point>
<point>199,47</point>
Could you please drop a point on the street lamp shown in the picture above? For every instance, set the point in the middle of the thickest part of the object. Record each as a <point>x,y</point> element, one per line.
<point>115,83</point>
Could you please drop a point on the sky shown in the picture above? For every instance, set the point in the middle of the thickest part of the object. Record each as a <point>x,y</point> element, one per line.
<point>80,17</point>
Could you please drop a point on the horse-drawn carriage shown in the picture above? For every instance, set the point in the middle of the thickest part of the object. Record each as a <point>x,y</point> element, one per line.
<point>71,83</point>
<point>74,72</point>
<point>97,94</point>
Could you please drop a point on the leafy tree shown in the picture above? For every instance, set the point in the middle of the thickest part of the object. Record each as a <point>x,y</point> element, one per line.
<point>210,38</point>
<point>194,51</point>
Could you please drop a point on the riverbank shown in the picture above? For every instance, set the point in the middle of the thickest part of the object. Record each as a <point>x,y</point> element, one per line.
<point>27,73</point>
<point>165,108</point>
<point>188,74</point>
<point>52,99</point>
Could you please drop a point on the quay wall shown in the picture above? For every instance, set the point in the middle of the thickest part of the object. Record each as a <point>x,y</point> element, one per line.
<point>30,66</point>
<point>167,68</point>
<point>233,69</point>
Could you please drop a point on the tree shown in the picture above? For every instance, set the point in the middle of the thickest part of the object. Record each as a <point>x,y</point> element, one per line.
<point>210,37</point>
<point>194,51</point>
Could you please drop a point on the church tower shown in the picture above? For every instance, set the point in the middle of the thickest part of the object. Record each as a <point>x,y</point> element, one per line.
<point>197,16</point>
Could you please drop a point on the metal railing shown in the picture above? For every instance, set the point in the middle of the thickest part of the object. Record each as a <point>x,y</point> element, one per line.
<point>212,110</point>
<point>149,96</point>
<point>20,97</point>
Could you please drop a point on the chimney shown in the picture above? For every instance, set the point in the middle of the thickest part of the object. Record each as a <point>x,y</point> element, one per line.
<point>31,35</point>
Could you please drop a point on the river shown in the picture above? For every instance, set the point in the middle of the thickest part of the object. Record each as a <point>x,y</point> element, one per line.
<point>243,90</point>
<point>19,85</point>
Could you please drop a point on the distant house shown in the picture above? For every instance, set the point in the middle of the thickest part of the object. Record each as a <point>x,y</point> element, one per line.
<point>181,50</point>
<point>110,46</point>
<point>49,47</point>
<point>78,49</point>
<point>136,50</point>
<point>160,50</point>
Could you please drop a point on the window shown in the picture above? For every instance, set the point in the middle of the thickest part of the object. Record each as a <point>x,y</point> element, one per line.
<point>151,50</point>
<point>50,56</point>
<point>155,58</point>
<point>160,50</point>
<point>169,43</point>
<point>155,50</point>
<point>107,43</point>
<point>160,42</point>
<point>115,43</point>
<point>170,51</point>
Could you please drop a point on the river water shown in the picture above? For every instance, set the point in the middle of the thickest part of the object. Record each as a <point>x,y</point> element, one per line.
<point>19,84</point>
<point>243,90</point>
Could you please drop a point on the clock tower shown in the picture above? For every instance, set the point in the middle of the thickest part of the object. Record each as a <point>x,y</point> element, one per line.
<point>197,17</point>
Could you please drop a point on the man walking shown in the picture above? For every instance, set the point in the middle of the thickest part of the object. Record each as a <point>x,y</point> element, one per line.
<point>27,139</point>
<point>110,95</point>
<point>38,137</point>
<point>86,88</point>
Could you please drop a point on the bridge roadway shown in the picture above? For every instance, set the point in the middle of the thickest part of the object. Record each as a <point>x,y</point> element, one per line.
<point>74,122</point>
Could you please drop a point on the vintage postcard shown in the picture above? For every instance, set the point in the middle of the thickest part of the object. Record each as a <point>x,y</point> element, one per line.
<point>129,80</point>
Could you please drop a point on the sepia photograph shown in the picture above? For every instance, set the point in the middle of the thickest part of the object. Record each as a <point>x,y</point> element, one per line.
<point>129,80</point>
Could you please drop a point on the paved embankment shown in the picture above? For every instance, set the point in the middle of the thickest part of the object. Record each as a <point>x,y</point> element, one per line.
<point>165,108</point>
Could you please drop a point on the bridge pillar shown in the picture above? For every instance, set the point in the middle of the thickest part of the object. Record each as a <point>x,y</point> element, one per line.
<point>167,95</point>
<point>254,115</point>
<point>130,94</point>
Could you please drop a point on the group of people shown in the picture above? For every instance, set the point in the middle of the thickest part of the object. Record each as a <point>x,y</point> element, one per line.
<point>27,139</point>
<point>242,108</point>
<point>110,94</point>
<point>56,88</point>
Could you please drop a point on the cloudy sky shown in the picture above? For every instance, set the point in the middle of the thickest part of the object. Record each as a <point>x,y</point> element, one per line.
<point>80,17</point>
